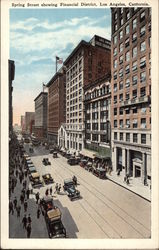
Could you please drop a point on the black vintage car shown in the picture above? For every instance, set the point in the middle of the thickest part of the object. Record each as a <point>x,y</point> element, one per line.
<point>99,172</point>
<point>54,154</point>
<point>70,189</point>
<point>47,178</point>
<point>46,204</point>
<point>46,161</point>
<point>35,180</point>
<point>72,161</point>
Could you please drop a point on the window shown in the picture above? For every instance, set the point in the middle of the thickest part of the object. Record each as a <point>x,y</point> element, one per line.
<point>121,97</point>
<point>134,110</point>
<point>143,91</point>
<point>115,51</point>
<point>121,72</point>
<point>143,76</point>
<point>115,75</point>
<point>143,110</point>
<point>135,137</point>
<point>121,136</point>
<point>134,23</point>
<point>134,93</point>
<point>95,115</point>
<point>127,29</point>
<point>134,66</point>
<point>88,136</point>
<point>115,15</point>
<point>115,39</point>
<point>143,138</point>
<point>115,111</point>
<point>134,52</point>
<point>143,46</point>
<point>103,138</point>
<point>115,123</point>
<point>150,42</point>
<point>121,10</point>
<point>134,80</point>
<point>127,42</point>
<point>115,64</point>
<point>127,15</point>
<point>127,137</point>
<point>88,126</point>
<point>121,123</point>
<point>127,83</point>
<point>127,56</point>
<point>121,59</point>
<point>94,126</point>
<point>127,96</point>
<point>142,31</point>
<point>115,87</point>
<point>142,16</point>
<point>127,123</point>
<point>115,135</point>
<point>121,47</point>
<point>127,69</point>
<point>121,85</point>
<point>127,111</point>
<point>121,21</point>
<point>103,126</point>
<point>134,37</point>
<point>121,111</point>
<point>115,99</point>
<point>143,122</point>
<point>134,123</point>
<point>121,34</point>
<point>94,137</point>
<point>143,62</point>
<point>115,27</point>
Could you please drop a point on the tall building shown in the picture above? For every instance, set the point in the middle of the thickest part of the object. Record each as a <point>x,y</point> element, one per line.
<point>22,123</point>
<point>11,72</point>
<point>131,91</point>
<point>40,127</point>
<point>87,62</point>
<point>56,104</point>
<point>29,121</point>
<point>97,117</point>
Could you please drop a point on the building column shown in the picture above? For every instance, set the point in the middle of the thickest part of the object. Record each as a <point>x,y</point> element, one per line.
<point>144,168</point>
<point>123,159</point>
<point>115,158</point>
<point>128,162</point>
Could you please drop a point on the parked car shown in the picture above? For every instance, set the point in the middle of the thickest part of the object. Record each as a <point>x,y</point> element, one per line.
<point>99,172</point>
<point>31,150</point>
<point>72,161</point>
<point>48,179</point>
<point>46,161</point>
<point>70,189</point>
<point>54,154</point>
<point>67,184</point>
<point>32,170</point>
<point>46,204</point>
<point>36,182</point>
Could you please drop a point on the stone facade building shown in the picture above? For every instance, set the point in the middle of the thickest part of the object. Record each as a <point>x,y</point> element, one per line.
<point>87,62</point>
<point>56,104</point>
<point>29,121</point>
<point>40,127</point>
<point>97,117</point>
<point>131,91</point>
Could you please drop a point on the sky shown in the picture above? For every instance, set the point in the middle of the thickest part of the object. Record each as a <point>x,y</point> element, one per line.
<point>37,36</point>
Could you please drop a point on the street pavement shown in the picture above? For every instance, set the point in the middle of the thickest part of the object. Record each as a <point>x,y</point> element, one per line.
<point>105,209</point>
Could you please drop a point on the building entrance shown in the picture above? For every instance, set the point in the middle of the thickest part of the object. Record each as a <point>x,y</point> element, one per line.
<point>137,171</point>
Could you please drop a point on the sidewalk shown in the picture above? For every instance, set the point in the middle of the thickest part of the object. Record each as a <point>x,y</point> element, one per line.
<point>135,185</point>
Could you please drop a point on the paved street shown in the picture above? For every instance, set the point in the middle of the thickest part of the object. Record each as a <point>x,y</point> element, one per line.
<point>105,209</point>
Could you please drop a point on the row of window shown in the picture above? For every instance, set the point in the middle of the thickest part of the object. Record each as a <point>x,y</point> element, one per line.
<point>96,137</point>
<point>94,105</point>
<point>95,115</point>
<point>75,107</point>
<point>75,87</point>
<point>128,111</point>
<point>95,126</point>
<point>128,124</point>
<point>98,92</point>
<point>135,138</point>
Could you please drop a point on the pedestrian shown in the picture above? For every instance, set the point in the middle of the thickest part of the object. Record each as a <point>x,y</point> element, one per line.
<point>11,207</point>
<point>22,198</point>
<point>23,192</point>
<point>26,173</point>
<point>24,184</point>
<point>59,188</point>
<point>15,202</point>
<point>28,228</point>
<point>118,171</point>
<point>29,219</point>
<point>50,190</point>
<point>16,173</point>
<point>37,197</point>
<point>24,221</point>
<point>56,188</point>
<point>38,213</point>
<point>18,210</point>
<point>20,178</point>
<point>47,192</point>
<point>27,193</point>
<point>25,205</point>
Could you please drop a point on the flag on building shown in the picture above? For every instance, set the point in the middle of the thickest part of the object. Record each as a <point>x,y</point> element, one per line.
<point>59,60</point>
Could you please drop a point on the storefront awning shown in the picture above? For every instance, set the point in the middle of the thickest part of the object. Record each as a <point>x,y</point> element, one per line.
<point>106,154</point>
<point>88,153</point>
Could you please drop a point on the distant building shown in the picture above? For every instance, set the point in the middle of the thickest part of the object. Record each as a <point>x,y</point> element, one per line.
<point>22,123</point>
<point>97,117</point>
<point>40,127</point>
<point>56,104</point>
<point>88,62</point>
<point>131,91</point>
<point>11,78</point>
<point>29,121</point>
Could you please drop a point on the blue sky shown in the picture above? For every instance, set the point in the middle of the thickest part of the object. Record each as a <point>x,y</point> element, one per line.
<point>37,36</point>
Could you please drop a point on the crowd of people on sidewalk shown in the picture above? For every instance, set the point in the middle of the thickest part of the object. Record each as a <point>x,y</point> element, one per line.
<point>17,172</point>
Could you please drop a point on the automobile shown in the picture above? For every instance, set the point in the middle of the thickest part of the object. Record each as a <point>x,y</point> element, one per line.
<point>46,161</point>
<point>70,189</point>
<point>28,162</point>
<point>89,166</point>
<point>54,224</point>
<point>30,165</point>
<point>73,193</point>
<point>31,150</point>
<point>67,184</point>
<point>35,180</point>
<point>51,150</point>
<point>83,163</point>
<point>47,178</point>
<point>72,161</point>
<point>32,170</point>
<point>68,155</point>
<point>46,204</point>
<point>99,172</point>
<point>54,154</point>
